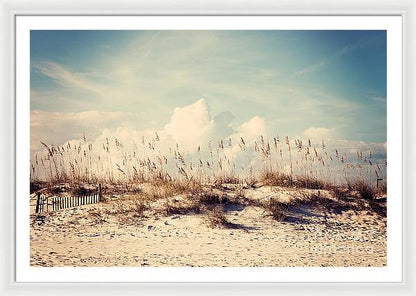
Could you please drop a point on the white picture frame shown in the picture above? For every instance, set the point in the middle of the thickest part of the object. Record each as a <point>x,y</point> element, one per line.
<point>10,285</point>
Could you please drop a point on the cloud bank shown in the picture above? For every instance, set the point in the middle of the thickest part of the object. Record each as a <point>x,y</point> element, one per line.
<point>189,126</point>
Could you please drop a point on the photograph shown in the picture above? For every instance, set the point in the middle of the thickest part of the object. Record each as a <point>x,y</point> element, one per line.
<point>208,148</point>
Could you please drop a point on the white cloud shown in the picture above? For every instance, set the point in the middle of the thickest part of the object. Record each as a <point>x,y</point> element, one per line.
<point>319,133</point>
<point>190,125</point>
<point>57,127</point>
<point>252,129</point>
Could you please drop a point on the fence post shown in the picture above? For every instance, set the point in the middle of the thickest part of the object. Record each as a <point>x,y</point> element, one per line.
<point>378,179</point>
<point>100,193</point>
<point>37,202</point>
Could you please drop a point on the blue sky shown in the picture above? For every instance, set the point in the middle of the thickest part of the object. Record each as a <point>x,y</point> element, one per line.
<point>329,82</point>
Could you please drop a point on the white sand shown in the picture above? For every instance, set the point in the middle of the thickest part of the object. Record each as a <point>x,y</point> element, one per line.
<point>311,236</point>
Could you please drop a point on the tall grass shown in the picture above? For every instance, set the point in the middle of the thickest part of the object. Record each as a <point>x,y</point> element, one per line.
<point>294,163</point>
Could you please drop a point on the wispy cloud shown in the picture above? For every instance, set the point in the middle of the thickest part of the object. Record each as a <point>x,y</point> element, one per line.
<point>378,99</point>
<point>65,77</point>
<point>326,61</point>
<point>311,68</point>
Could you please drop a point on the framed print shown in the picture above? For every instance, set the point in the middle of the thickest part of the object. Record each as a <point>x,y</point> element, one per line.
<point>161,147</point>
<point>227,149</point>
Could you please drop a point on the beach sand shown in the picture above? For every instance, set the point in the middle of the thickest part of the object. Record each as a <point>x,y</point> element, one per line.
<point>310,235</point>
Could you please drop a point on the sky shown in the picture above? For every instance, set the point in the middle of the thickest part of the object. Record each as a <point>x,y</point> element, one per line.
<point>193,86</point>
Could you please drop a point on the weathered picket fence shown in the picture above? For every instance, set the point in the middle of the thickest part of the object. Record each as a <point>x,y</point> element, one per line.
<point>56,203</point>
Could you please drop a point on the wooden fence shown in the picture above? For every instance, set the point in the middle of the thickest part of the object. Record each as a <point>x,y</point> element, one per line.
<point>56,203</point>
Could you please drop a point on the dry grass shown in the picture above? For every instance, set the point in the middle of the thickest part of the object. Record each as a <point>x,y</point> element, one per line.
<point>175,208</point>
<point>310,183</point>
<point>364,190</point>
<point>226,180</point>
<point>277,210</point>
<point>210,197</point>
<point>382,188</point>
<point>37,185</point>
<point>339,192</point>
<point>239,191</point>
<point>216,218</point>
<point>194,203</point>
<point>275,179</point>
<point>276,162</point>
<point>97,216</point>
<point>128,210</point>
<point>165,189</point>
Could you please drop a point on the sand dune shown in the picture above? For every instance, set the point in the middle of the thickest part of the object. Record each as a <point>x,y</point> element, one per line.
<point>309,235</point>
